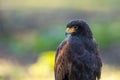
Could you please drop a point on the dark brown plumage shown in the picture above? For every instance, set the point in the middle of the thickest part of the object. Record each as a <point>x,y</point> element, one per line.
<point>77,57</point>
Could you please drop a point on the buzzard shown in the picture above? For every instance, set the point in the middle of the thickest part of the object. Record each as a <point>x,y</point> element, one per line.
<point>77,57</point>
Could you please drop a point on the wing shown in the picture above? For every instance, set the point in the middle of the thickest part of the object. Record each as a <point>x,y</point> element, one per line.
<point>98,63</point>
<point>98,60</point>
<point>61,72</point>
<point>60,47</point>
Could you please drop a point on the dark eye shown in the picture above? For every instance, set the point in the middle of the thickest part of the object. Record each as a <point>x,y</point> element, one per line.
<point>76,27</point>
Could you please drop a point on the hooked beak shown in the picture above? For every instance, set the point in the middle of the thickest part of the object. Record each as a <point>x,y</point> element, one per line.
<point>69,31</point>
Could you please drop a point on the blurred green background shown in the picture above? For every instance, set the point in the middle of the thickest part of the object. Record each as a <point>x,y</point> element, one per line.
<point>31,30</point>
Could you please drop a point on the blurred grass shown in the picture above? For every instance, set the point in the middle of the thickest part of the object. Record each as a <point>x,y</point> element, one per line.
<point>43,69</point>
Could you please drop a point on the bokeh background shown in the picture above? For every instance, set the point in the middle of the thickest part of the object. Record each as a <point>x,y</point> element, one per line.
<point>31,30</point>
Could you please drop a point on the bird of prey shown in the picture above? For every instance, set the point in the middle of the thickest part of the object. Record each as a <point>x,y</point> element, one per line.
<point>77,57</point>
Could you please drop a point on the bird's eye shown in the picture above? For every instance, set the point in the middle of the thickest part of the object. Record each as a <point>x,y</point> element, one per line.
<point>76,27</point>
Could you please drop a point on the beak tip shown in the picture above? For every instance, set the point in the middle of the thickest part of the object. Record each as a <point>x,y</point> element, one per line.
<point>66,33</point>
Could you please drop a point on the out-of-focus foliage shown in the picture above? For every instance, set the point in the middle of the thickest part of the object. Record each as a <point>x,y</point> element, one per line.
<point>44,64</point>
<point>106,33</point>
<point>44,67</point>
<point>41,27</point>
<point>49,40</point>
<point>41,70</point>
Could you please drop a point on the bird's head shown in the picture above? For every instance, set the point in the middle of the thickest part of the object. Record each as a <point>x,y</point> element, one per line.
<point>78,27</point>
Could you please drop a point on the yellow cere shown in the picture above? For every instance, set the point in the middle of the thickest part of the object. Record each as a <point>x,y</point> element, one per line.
<point>71,30</point>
